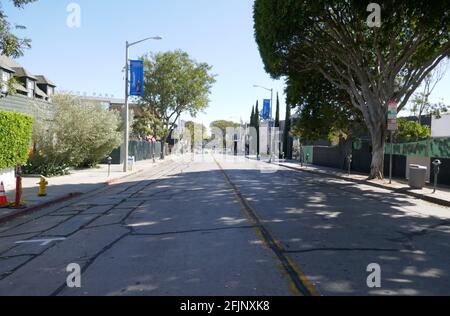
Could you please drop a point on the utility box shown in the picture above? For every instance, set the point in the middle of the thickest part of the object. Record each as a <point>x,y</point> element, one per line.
<point>131,162</point>
<point>417,176</point>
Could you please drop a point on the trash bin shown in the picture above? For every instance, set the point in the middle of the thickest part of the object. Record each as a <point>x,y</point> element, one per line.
<point>417,176</point>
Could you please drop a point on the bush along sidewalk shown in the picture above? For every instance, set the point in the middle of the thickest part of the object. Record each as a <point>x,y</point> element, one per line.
<point>15,138</point>
<point>79,134</point>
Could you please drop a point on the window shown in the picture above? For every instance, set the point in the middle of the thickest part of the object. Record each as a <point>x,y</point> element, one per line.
<point>5,76</point>
<point>30,88</point>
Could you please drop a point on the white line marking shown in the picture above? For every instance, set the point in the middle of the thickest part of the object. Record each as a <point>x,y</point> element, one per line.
<point>43,242</point>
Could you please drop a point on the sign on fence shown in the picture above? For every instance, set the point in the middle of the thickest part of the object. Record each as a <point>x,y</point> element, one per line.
<point>392,116</point>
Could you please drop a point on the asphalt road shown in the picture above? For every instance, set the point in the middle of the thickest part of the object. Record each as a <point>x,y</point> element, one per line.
<point>229,227</point>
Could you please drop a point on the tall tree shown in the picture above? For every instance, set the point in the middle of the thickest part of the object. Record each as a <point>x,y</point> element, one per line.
<point>277,114</point>
<point>197,133</point>
<point>286,133</point>
<point>10,44</point>
<point>421,104</point>
<point>373,65</point>
<point>324,110</point>
<point>277,126</point>
<point>252,117</point>
<point>257,127</point>
<point>175,84</point>
<point>146,123</point>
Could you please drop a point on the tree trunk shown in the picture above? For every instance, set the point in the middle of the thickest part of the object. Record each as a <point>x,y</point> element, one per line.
<point>378,141</point>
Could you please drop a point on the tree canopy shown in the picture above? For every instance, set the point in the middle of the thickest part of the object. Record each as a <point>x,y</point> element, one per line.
<point>147,124</point>
<point>175,84</point>
<point>222,125</point>
<point>196,131</point>
<point>409,131</point>
<point>372,65</point>
<point>324,110</point>
<point>10,44</point>
<point>277,113</point>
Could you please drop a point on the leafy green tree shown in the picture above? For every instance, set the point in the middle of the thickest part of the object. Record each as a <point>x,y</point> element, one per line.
<point>409,131</point>
<point>79,134</point>
<point>222,125</point>
<point>421,104</point>
<point>324,110</point>
<point>197,132</point>
<point>373,65</point>
<point>277,126</point>
<point>277,114</point>
<point>175,84</point>
<point>257,128</point>
<point>10,44</point>
<point>146,124</point>
<point>252,117</point>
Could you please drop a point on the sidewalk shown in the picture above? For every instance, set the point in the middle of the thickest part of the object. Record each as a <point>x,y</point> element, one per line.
<point>63,188</point>
<point>441,197</point>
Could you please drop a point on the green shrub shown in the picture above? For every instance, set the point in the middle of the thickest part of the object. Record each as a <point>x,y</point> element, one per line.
<point>39,165</point>
<point>79,134</point>
<point>409,132</point>
<point>15,138</point>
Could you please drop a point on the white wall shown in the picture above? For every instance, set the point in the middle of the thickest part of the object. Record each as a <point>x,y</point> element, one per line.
<point>8,178</point>
<point>441,127</point>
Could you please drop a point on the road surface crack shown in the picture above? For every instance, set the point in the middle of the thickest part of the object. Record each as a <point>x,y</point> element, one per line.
<point>342,249</point>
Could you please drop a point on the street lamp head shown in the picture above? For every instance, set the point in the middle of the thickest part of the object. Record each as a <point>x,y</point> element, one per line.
<point>157,38</point>
<point>258,86</point>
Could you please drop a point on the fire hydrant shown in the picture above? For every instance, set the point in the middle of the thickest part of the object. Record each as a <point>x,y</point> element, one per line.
<point>43,187</point>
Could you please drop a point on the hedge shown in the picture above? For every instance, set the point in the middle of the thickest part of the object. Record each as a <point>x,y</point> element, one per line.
<point>15,138</point>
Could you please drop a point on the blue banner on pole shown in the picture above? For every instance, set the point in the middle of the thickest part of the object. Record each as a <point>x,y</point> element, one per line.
<point>136,78</point>
<point>266,110</point>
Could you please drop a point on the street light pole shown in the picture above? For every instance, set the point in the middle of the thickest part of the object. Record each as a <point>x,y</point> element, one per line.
<point>270,120</point>
<point>126,107</point>
<point>127,113</point>
<point>270,128</point>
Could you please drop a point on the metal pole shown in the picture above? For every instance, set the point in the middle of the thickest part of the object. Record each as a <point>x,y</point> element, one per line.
<point>390,159</point>
<point>127,114</point>
<point>437,164</point>
<point>349,161</point>
<point>270,122</point>
<point>435,181</point>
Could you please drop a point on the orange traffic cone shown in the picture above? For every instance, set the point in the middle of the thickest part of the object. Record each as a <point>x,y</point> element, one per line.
<point>3,198</point>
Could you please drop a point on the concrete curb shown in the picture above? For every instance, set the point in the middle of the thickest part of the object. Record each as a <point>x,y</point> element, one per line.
<point>34,208</point>
<point>63,198</point>
<point>381,186</point>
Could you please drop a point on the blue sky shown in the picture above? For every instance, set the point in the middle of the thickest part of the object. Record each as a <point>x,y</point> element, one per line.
<point>90,58</point>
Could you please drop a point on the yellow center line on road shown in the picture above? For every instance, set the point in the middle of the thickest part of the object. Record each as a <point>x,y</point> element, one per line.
<point>299,282</point>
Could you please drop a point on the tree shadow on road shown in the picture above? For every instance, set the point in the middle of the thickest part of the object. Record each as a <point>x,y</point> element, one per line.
<point>186,234</point>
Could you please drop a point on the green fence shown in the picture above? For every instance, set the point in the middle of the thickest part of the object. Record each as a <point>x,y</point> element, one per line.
<point>432,148</point>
